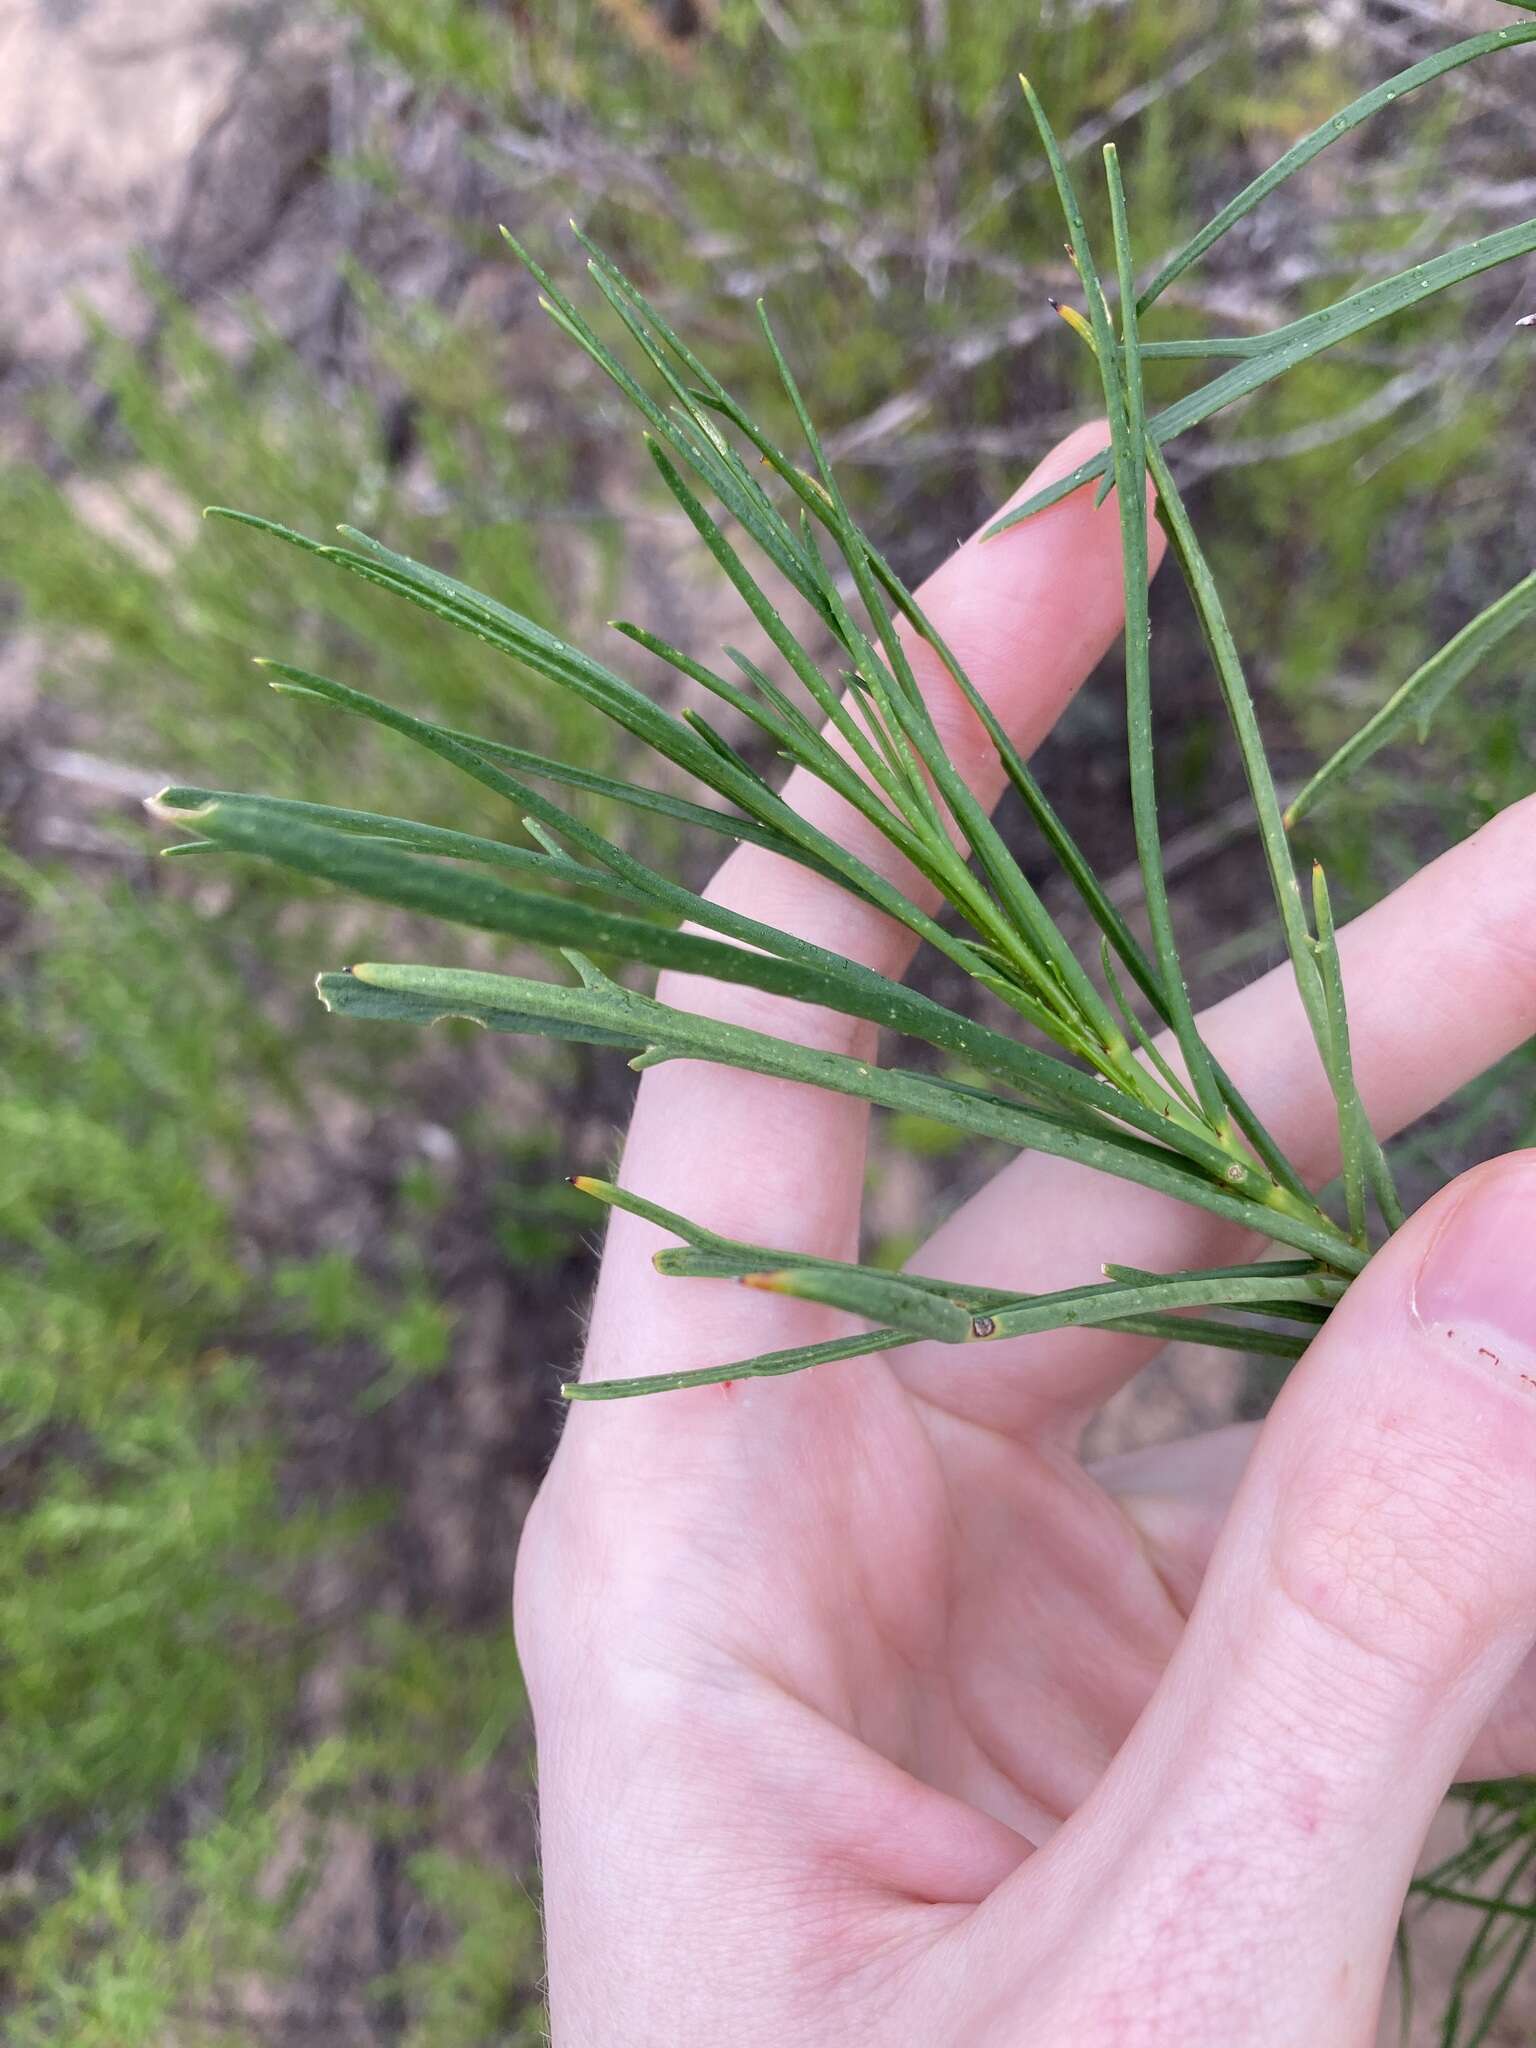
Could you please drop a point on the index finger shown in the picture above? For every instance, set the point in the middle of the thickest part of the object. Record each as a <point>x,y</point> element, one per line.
<point>1028,616</point>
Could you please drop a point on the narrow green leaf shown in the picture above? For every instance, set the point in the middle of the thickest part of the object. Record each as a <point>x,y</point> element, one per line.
<point>770,1365</point>
<point>1300,154</point>
<point>1148,1047</point>
<point>504,630</point>
<point>1341,1074</point>
<point>390,874</point>
<point>1425,690</point>
<point>1360,1150</point>
<point>685,1262</point>
<point>1130,452</point>
<point>346,995</point>
<point>1250,742</point>
<point>710,1256</point>
<point>1080,873</point>
<point>617,699</point>
<point>881,1298</point>
<point>701,449</point>
<point>790,966</point>
<point>823,762</point>
<point>682,1035</point>
<point>921,1311</point>
<point>1193,349</point>
<point>803,1358</point>
<point>723,824</point>
<point>404,832</point>
<point>896,687</point>
<point>1297,343</point>
<point>1289,1190</point>
<point>816,849</point>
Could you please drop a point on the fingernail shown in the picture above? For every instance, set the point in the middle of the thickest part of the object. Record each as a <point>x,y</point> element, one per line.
<point>1477,1284</point>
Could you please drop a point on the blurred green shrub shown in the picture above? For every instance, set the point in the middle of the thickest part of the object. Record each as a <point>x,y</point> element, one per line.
<point>152,615</point>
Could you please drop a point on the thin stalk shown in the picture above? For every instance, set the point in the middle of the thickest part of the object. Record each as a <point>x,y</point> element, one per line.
<point>1352,1121</point>
<point>1146,1044</point>
<point>1250,742</point>
<point>1081,875</point>
<point>1424,692</point>
<point>1130,475</point>
<point>1289,1193</point>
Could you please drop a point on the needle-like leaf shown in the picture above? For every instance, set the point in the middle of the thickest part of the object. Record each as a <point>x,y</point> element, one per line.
<point>847,707</point>
<point>1424,692</point>
<point>1333,130</point>
<point>1130,452</point>
<point>1353,1129</point>
<point>405,833</point>
<point>430,993</point>
<point>1298,343</point>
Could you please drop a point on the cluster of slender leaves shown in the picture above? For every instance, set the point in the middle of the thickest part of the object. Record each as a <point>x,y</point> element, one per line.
<point>1088,1082</point>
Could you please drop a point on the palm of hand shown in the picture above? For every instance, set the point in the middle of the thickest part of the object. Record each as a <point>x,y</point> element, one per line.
<point>989,1618</point>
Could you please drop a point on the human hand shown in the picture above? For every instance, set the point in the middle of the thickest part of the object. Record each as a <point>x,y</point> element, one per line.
<point>865,1712</point>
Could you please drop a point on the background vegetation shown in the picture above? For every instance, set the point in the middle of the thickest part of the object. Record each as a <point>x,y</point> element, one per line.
<point>282,1306</point>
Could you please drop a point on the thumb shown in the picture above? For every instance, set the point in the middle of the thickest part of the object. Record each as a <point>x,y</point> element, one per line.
<point>1373,1591</point>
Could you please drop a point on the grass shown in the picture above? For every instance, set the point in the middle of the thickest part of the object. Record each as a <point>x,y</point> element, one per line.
<point>154,1559</point>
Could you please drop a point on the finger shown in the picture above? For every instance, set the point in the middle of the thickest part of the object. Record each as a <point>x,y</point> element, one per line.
<point>1441,981</point>
<point>773,1161</point>
<point>1372,1594</point>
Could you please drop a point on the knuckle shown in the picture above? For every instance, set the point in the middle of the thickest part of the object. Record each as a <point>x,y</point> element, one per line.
<point>1399,1549</point>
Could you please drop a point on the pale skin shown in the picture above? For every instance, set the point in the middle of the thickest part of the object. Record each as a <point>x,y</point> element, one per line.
<point>866,1713</point>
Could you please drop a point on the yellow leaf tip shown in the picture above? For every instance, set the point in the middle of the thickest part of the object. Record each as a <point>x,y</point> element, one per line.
<point>1074,320</point>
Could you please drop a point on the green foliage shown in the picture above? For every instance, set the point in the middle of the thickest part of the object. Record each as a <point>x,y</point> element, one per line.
<point>1100,1105</point>
<point>868,169</point>
<point>880,185</point>
<point>151,610</point>
<point>142,1560</point>
<point>122,1962</point>
<point>116,1961</point>
<point>333,1299</point>
<point>152,1637</point>
<point>477,1992</point>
